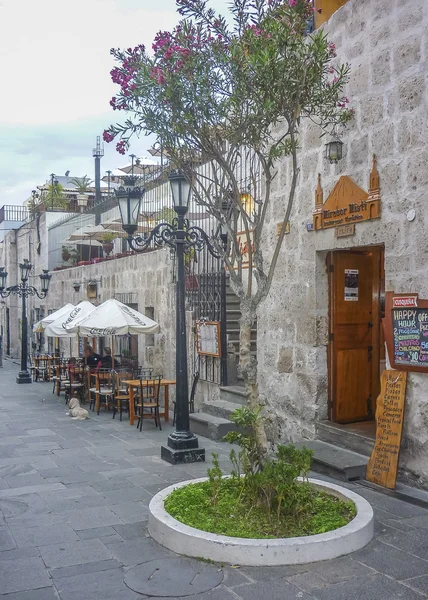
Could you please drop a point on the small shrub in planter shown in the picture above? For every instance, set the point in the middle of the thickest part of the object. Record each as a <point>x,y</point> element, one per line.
<point>261,499</point>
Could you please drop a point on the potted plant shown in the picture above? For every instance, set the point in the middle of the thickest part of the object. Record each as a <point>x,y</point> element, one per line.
<point>65,254</point>
<point>107,240</point>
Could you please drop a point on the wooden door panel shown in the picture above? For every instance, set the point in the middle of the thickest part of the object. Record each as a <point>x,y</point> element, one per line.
<point>351,400</point>
<point>351,336</point>
<point>351,298</point>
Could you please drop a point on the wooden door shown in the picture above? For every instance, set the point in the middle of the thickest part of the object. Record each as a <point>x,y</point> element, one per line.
<point>354,335</point>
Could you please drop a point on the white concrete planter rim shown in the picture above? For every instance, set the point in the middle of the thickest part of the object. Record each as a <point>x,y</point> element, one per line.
<point>187,540</point>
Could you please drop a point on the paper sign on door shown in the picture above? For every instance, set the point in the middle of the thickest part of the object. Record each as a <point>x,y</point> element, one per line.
<point>351,285</point>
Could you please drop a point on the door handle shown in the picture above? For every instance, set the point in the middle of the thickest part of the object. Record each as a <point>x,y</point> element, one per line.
<point>369,324</point>
<point>370,351</point>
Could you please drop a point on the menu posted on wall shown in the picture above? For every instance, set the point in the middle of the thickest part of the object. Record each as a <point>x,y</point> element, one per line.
<point>208,338</point>
<point>383,464</point>
<point>410,336</point>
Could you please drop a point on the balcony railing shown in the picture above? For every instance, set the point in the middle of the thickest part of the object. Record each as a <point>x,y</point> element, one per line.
<point>9,212</point>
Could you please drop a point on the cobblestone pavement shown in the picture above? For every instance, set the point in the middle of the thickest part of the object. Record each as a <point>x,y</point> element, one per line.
<point>73,515</point>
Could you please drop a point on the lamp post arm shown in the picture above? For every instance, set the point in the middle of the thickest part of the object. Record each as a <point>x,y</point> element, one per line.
<point>197,238</point>
<point>162,234</point>
<point>165,233</point>
<point>22,291</point>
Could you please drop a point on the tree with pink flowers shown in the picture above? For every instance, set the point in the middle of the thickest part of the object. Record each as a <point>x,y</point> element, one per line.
<point>228,92</point>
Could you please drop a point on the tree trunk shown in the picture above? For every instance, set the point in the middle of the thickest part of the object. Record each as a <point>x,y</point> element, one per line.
<point>248,364</point>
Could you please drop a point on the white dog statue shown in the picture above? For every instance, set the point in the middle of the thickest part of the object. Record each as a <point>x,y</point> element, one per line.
<point>76,411</point>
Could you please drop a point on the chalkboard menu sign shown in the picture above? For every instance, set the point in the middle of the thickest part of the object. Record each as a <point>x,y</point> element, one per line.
<point>410,335</point>
<point>406,331</point>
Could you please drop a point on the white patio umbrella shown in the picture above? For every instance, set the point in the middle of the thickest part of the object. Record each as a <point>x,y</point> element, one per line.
<point>113,318</point>
<point>58,327</point>
<point>83,241</point>
<point>41,325</point>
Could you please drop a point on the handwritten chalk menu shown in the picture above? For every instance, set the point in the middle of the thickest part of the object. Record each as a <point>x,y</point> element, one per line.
<point>405,326</point>
<point>410,336</point>
<point>208,338</point>
<point>383,464</point>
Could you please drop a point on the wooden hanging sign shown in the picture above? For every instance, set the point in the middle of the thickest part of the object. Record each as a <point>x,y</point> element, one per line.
<point>383,464</point>
<point>347,203</point>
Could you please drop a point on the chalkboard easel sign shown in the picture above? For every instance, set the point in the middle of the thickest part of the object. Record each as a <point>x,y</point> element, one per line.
<point>208,338</point>
<point>406,331</point>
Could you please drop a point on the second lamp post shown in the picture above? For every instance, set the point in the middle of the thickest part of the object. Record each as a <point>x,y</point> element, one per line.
<point>23,290</point>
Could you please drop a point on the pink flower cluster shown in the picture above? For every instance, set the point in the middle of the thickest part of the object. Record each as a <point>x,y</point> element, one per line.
<point>107,136</point>
<point>158,75</point>
<point>121,147</point>
<point>343,102</point>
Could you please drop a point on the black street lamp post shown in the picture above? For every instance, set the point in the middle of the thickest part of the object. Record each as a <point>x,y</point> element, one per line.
<point>23,290</point>
<point>182,445</point>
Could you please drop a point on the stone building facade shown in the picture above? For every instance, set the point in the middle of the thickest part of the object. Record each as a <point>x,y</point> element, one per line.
<point>386,44</point>
<point>145,281</point>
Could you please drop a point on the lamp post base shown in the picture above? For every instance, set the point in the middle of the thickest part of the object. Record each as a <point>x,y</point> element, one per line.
<point>182,450</point>
<point>24,377</point>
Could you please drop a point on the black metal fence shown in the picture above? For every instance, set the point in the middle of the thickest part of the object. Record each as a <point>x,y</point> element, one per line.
<point>206,298</point>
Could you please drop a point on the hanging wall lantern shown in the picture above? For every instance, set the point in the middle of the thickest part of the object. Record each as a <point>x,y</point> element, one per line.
<point>333,151</point>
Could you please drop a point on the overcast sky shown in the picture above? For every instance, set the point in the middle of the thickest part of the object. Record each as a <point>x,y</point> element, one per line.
<point>55,83</point>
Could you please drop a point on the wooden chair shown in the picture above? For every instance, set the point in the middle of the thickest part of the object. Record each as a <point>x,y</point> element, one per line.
<point>103,390</point>
<point>121,393</point>
<point>60,379</point>
<point>191,399</point>
<point>148,399</point>
<point>142,373</point>
<point>40,369</point>
<point>75,384</point>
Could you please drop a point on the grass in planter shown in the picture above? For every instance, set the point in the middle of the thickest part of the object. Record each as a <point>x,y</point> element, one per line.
<point>268,502</point>
<point>236,515</point>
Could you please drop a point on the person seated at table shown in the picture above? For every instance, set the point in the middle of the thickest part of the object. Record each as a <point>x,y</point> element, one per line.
<point>106,361</point>
<point>92,358</point>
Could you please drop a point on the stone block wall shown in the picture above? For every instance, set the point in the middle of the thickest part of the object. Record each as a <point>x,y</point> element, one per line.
<point>148,277</point>
<point>386,44</point>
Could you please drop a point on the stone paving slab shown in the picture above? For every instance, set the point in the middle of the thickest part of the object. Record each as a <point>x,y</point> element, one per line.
<point>73,515</point>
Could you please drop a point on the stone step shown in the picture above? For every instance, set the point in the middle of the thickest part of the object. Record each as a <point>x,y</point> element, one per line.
<point>335,461</point>
<point>219,408</point>
<point>345,438</point>
<point>234,394</point>
<point>210,426</point>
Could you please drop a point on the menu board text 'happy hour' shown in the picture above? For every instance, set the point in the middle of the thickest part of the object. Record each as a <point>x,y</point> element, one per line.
<point>410,336</point>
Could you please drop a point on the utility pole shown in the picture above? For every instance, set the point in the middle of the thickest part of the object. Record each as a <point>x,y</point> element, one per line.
<point>98,153</point>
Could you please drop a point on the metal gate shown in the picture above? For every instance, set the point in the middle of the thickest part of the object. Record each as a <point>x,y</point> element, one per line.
<point>206,298</point>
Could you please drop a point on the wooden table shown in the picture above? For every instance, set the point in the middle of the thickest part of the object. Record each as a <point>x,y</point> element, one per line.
<point>135,383</point>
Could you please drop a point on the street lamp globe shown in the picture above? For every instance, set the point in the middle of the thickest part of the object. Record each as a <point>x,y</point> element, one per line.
<point>45,279</point>
<point>82,200</point>
<point>25,268</point>
<point>3,277</point>
<point>180,189</point>
<point>129,197</point>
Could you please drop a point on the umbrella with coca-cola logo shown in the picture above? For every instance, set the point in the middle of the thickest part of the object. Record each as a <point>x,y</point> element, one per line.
<point>59,327</point>
<point>112,318</point>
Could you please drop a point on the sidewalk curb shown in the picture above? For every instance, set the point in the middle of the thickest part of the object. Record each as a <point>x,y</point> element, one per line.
<point>402,492</point>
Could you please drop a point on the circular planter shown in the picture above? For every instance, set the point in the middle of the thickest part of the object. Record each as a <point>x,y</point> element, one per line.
<point>189,541</point>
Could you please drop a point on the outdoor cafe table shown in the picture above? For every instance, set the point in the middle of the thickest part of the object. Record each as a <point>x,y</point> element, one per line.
<point>135,383</point>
